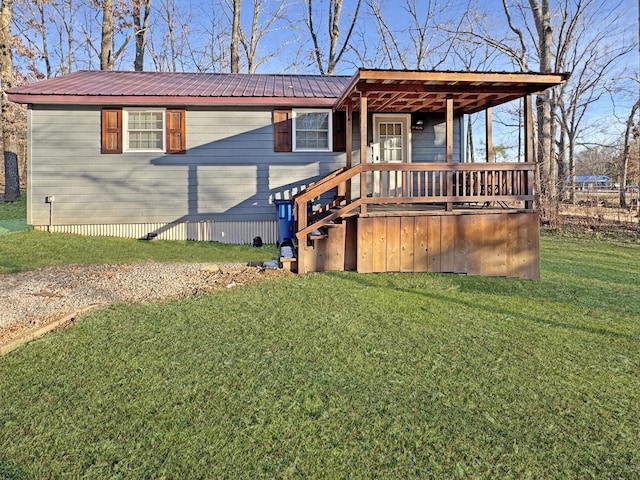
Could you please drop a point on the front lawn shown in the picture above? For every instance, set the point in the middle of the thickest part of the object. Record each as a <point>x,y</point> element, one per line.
<point>345,376</point>
<point>29,250</point>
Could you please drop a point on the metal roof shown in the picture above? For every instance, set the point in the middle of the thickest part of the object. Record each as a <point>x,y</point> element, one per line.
<point>147,88</point>
<point>399,91</point>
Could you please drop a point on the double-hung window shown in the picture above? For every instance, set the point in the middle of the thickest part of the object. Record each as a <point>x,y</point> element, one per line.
<point>145,130</point>
<point>312,130</point>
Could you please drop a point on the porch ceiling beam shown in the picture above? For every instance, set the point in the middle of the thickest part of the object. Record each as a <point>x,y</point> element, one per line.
<point>469,77</point>
<point>455,89</point>
<point>436,103</point>
<point>385,103</point>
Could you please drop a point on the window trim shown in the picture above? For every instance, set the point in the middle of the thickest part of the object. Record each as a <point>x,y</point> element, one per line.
<point>125,127</point>
<point>294,129</point>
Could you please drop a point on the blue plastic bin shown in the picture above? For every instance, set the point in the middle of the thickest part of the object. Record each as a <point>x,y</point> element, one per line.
<point>285,220</point>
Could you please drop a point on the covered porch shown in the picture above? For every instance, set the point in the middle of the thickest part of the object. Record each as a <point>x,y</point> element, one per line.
<point>386,211</point>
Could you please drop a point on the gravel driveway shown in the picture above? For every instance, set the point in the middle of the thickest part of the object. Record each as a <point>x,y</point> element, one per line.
<point>31,299</point>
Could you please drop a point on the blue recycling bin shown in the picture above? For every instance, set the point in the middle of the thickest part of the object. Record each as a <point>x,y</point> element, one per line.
<point>285,220</point>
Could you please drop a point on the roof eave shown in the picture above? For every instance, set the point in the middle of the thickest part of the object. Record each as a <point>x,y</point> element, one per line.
<point>524,82</point>
<point>160,101</point>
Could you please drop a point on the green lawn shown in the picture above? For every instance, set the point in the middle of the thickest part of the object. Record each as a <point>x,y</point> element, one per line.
<point>27,250</point>
<point>32,249</point>
<point>345,376</point>
<point>13,216</point>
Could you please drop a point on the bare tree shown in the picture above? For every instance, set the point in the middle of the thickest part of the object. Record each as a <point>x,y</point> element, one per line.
<point>172,28</point>
<point>262,23</point>
<point>31,20</point>
<point>544,44</point>
<point>235,36</point>
<point>422,39</point>
<point>9,137</point>
<point>213,53</point>
<point>335,51</point>
<point>107,35</point>
<point>64,27</point>
<point>108,53</point>
<point>592,57</point>
<point>632,129</point>
<point>140,12</point>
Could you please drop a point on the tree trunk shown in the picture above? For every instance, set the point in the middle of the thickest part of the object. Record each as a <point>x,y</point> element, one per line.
<point>335,54</point>
<point>107,35</point>
<point>9,138</point>
<point>235,37</point>
<point>542,18</point>
<point>572,168</point>
<point>625,154</point>
<point>140,27</point>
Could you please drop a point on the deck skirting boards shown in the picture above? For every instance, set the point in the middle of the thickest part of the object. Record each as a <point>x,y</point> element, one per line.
<point>207,231</point>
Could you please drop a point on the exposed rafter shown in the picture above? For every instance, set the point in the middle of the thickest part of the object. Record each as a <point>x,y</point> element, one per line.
<point>413,91</point>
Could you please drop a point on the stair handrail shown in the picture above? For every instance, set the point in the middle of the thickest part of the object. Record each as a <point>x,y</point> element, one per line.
<point>342,175</point>
<point>336,178</point>
<point>320,182</point>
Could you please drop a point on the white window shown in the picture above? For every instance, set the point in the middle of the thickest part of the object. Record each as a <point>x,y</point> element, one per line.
<point>144,130</point>
<point>312,130</point>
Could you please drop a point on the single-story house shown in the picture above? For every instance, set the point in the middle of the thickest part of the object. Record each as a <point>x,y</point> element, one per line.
<point>594,182</point>
<point>206,156</point>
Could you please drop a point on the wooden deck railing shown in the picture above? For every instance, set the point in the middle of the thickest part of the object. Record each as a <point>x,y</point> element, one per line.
<point>427,183</point>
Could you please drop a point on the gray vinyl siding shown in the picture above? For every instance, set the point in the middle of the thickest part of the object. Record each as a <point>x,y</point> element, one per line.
<point>230,172</point>
<point>428,145</point>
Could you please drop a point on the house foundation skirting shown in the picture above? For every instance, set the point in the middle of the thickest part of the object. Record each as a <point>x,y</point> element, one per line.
<point>206,231</point>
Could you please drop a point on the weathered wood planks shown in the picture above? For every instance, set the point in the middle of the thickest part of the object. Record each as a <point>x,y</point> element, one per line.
<point>492,244</point>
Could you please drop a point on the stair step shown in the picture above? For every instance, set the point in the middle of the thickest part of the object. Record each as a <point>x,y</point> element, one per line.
<point>288,263</point>
<point>318,237</point>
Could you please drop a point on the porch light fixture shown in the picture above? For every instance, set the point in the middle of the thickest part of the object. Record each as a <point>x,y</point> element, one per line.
<point>418,125</point>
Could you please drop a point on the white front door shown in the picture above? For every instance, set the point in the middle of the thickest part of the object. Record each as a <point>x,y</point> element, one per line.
<point>391,138</point>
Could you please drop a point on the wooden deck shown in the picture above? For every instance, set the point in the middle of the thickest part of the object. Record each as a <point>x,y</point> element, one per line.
<point>476,221</point>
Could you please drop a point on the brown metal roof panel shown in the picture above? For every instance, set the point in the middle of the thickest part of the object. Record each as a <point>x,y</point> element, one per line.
<point>185,84</point>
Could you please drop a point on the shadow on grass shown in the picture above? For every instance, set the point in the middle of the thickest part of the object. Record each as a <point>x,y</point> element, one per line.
<point>13,226</point>
<point>385,281</point>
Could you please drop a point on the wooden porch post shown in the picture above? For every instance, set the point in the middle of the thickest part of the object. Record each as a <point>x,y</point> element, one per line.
<point>449,149</point>
<point>349,161</point>
<point>364,113</point>
<point>529,154</point>
<point>489,134</point>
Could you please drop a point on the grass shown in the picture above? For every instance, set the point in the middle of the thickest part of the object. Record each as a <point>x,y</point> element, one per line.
<point>13,216</point>
<point>345,376</point>
<point>27,250</point>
